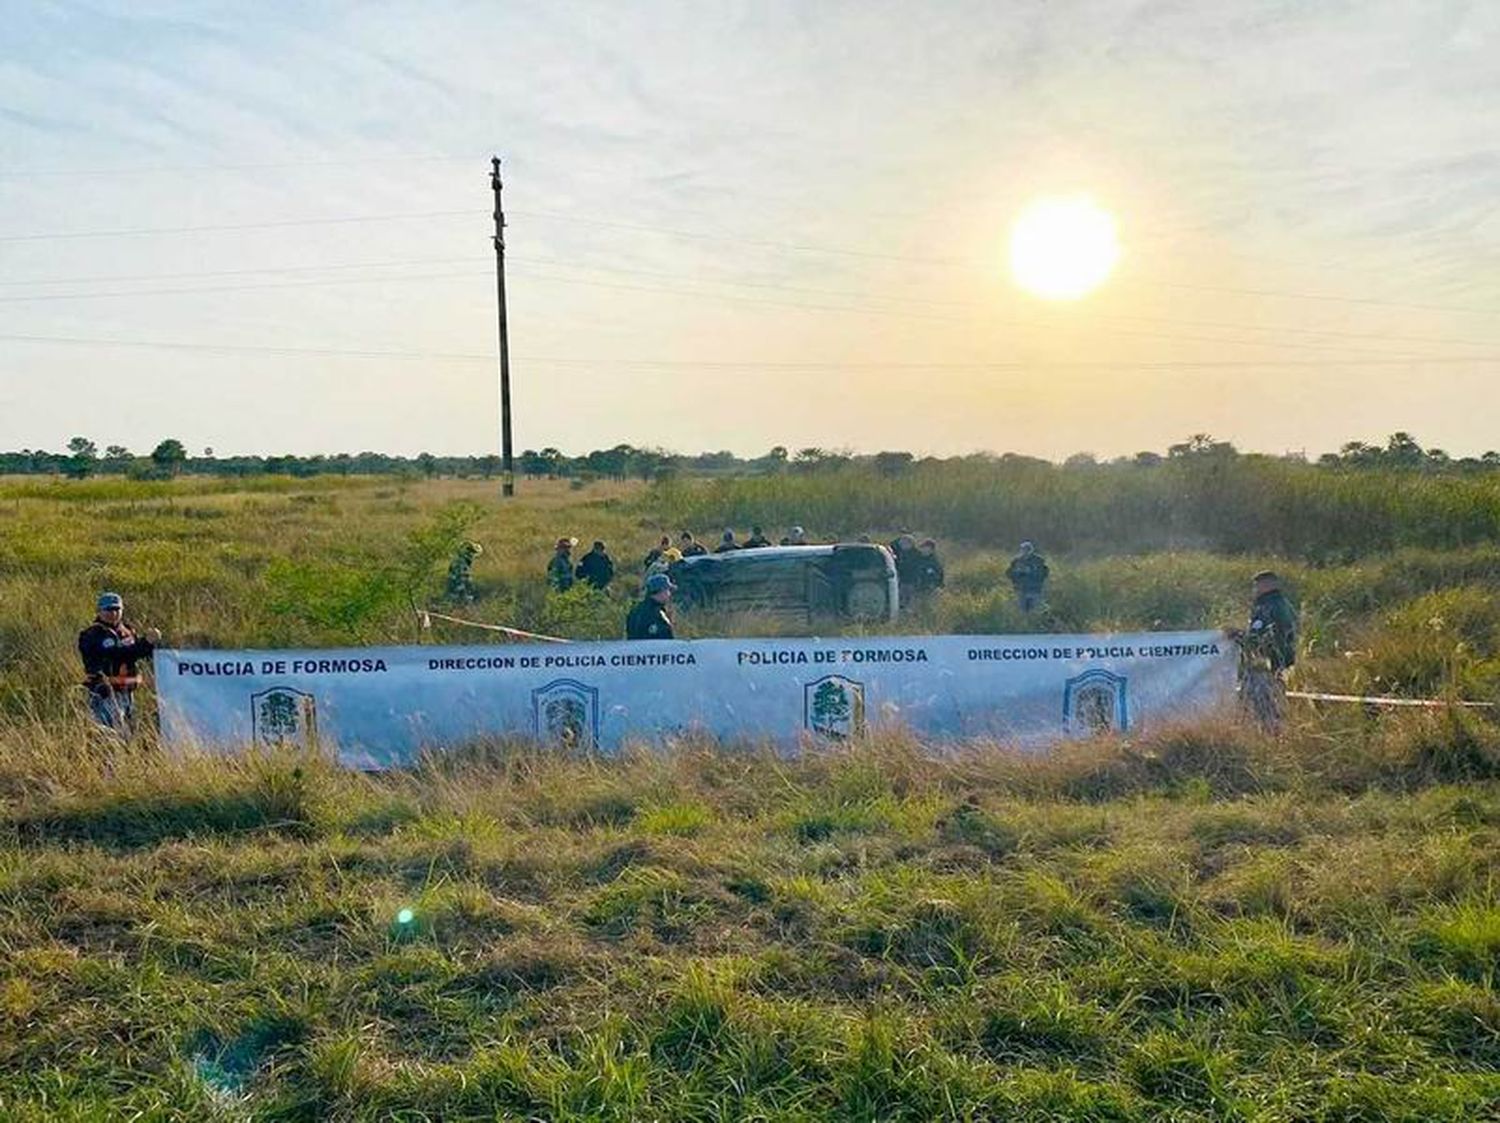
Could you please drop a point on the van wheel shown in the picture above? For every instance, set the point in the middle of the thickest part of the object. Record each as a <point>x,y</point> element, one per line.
<point>867,600</point>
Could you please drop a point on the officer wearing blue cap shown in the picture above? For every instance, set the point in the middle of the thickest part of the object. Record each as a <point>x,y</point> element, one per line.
<point>110,650</point>
<point>649,619</point>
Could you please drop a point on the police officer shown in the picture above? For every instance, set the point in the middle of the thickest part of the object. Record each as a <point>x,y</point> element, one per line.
<point>1028,576</point>
<point>757,539</point>
<point>1268,648</point>
<point>110,650</point>
<point>460,589</point>
<point>649,619</point>
<point>903,549</point>
<point>727,544</point>
<point>597,567</point>
<point>927,569</point>
<point>1272,632</point>
<point>690,546</point>
<point>560,568</point>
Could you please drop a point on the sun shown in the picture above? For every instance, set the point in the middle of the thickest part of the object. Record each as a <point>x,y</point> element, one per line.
<point>1063,247</point>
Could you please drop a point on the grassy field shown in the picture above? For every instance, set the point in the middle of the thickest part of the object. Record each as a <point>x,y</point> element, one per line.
<point>1205,924</point>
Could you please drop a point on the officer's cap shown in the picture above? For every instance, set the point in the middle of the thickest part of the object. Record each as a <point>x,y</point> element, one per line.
<point>658,582</point>
<point>108,601</point>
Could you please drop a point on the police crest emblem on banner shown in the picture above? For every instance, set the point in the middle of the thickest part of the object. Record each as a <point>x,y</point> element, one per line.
<point>1095,702</point>
<point>834,706</point>
<point>566,711</point>
<point>282,715</point>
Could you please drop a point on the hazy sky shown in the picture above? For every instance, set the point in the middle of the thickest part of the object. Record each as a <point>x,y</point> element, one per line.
<point>742,224</point>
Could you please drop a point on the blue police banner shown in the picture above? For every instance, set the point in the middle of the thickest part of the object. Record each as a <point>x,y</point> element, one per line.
<point>382,707</point>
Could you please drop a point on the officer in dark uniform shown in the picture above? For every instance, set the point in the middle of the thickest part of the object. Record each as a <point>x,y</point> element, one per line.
<point>649,619</point>
<point>1028,576</point>
<point>903,549</point>
<point>757,539</point>
<point>927,569</point>
<point>110,650</point>
<point>1272,632</point>
<point>1268,648</point>
<point>597,567</point>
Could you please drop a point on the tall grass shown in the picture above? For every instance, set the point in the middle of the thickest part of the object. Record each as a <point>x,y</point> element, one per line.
<point>1246,504</point>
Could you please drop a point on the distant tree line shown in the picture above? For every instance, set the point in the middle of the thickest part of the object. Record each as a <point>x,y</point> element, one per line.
<point>170,457</point>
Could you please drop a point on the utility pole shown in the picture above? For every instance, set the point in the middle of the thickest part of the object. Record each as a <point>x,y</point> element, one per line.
<point>508,467</point>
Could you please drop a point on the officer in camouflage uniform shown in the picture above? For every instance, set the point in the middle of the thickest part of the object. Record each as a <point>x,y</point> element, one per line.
<point>460,589</point>
<point>560,568</point>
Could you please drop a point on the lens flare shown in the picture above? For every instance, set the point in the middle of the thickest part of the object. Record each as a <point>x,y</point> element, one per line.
<point>405,916</point>
<point>1063,247</point>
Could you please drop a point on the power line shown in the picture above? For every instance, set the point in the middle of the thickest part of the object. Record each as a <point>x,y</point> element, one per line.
<point>173,345</point>
<point>69,173</point>
<point>1095,364</point>
<point>201,289</point>
<point>693,235</point>
<point>221,227</point>
<point>1284,295</point>
<point>111,277</point>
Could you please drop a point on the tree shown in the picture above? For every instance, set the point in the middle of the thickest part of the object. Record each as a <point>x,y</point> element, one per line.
<point>116,454</point>
<point>428,464</point>
<point>1081,460</point>
<point>552,461</point>
<point>85,455</point>
<point>169,456</point>
<point>1402,449</point>
<point>892,463</point>
<point>1200,444</point>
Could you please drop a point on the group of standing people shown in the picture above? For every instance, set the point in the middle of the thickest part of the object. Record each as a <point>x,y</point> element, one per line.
<point>595,569</point>
<point>919,570</point>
